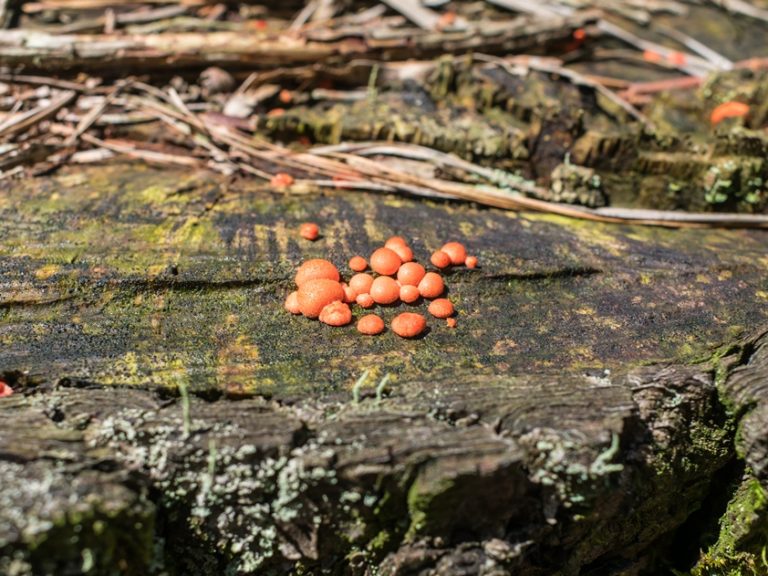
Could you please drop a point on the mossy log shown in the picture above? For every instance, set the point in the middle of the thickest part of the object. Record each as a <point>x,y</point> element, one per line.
<point>597,406</point>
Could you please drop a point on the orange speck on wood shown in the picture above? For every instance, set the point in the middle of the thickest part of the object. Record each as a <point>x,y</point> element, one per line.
<point>385,261</point>
<point>285,96</point>
<point>259,24</point>
<point>411,273</point>
<point>728,110</point>
<point>314,269</point>
<point>365,300</point>
<point>440,259</point>
<point>281,180</point>
<point>292,303</point>
<point>309,230</point>
<point>314,295</point>
<point>276,112</point>
<point>5,390</point>
<point>471,262</point>
<point>361,283</point>
<point>336,314</point>
<point>385,290</point>
<point>432,285</point>
<point>446,19</point>
<point>456,252</point>
<point>357,263</point>
<point>409,294</point>
<point>652,57</point>
<point>678,58</point>
<point>370,324</point>
<point>450,322</point>
<point>579,34</point>
<point>409,324</point>
<point>404,252</point>
<point>441,308</point>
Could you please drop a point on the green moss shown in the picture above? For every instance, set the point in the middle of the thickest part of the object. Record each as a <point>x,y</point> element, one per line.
<point>741,548</point>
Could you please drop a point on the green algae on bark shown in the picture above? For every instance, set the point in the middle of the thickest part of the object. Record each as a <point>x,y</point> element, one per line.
<point>125,275</point>
<point>561,406</point>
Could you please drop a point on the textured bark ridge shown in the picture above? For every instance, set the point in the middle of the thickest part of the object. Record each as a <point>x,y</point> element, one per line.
<point>597,410</point>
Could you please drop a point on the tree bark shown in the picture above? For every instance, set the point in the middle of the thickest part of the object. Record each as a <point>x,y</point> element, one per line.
<point>170,416</point>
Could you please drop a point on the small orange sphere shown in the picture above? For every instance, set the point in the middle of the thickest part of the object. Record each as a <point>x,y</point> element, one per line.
<point>361,283</point>
<point>395,241</point>
<point>349,293</point>
<point>365,300</point>
<point>385,261</point>
<point>455,251</point>
<point>450,322</point>
<point>440,259</point>
<point>314,295</point>
<point>471,262</point>
<point>409,294</point>
<point>385,290</point>
<point>309,230</point>
<point>409,324</point>
<point>370,324</point>
<point>292,303</point>
<point>432,285</point>
<point>441,308</point>
<point>336,314</point>
<point>410,274</point>
<point>281,180</point>
<point>5,390</point>
<point>403,251</point>
<point>315,269</point>
<point>357,264</point>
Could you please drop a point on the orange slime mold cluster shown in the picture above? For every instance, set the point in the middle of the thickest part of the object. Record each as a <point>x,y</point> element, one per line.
<point>395,278</point>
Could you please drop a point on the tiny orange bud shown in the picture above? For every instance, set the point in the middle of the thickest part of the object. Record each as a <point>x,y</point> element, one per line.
<point>365,300</point>
<point>336,314</point>
<point>309,230</point>
<point>361,283</point>
<point>471,262</point>
<point>450,322</point>
<point>357,264</point>
<point>285,96</point>
<point>292,303</point>
<point>385,290</point>
<point>409,324</point>
<point>456,252</point>
<point>281,180</point>
<point>652,57</point>
<point>579,34</point>
<point>432,285</point>
<point>370,325</point>
<point>440,259</point>
<point>5,390</point>
<point>678,58</point>
<point>314,295</point>
<point>441,308</point>
<point>411,273</point>
<point>349,294</point>
<point>409,294</point>
<point>385,261</point>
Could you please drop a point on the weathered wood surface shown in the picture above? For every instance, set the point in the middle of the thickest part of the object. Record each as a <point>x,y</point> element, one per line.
<point>581,419</point>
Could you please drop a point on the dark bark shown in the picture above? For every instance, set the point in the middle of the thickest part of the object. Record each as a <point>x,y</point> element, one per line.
<point>571,424</point>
